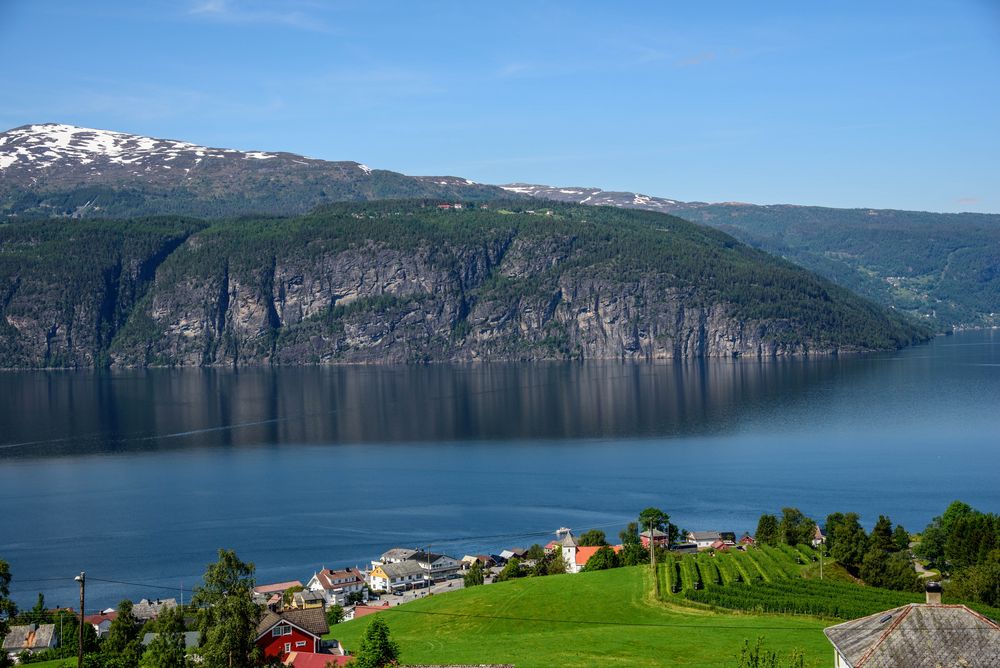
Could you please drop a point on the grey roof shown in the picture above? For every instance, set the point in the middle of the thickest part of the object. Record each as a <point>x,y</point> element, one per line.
<point>656,533</point>
<point>29,636</point>
<point>307,595</point>
<point>191,639</point>
<point>567,540</point>
<point>312,620</point>
<point>402,569</point>
<point>705,535</point>
<point>398,553</point>
<point>428,557</point>
<point>919,635</point>
<point>151,609</point>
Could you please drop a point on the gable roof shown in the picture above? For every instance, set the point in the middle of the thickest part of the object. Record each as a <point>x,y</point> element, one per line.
<point>29,636</point>
<point>327,577</point>
<point>401,569</point>
<point>313,660</point>
<point>656,534</point>
<point>276,588</point>
<point>100,618</point>
<point>147,609</point>
<point>567,540</point>
<point>583,554</point>
<point>398,553</point>
<point>428,557</point>
<point>310,620</point>
<point>704,535</point>
<point>918,635</point>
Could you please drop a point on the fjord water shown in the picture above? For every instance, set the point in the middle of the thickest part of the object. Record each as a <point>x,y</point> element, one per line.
<point>139,476</point>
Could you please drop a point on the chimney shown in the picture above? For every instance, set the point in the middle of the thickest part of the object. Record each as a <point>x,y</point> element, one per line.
<point>933,590</point>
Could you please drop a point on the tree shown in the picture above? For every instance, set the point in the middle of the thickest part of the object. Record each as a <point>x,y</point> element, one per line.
<point>512,569</point>
<point>652,519</point>
<point>900,538</point>
<point>556,563</point>
<point>122,648</point>
<point>376,649</point>
<point>593,538</point>
<point>334,614</point>
<point>632,553</point>
<point>767,530</point>
<point>475,577</point>
<point>603,559</point>
<point>891,571</point>
<point>795,527</point>
<point>167,648</point>
<point>849,541</point>
<point>7,608</point>
<point>881,535</point>
<point>756,656</point>
<point>536,552</point>
<point>978,583</point>
<point>228,617</point>
<point>289,594</point>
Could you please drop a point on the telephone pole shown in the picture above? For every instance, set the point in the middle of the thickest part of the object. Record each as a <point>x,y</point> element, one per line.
<point>652,560</point>
<point>82,579</point>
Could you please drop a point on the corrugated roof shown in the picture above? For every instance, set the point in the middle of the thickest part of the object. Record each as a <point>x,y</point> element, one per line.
<point>919,636</point>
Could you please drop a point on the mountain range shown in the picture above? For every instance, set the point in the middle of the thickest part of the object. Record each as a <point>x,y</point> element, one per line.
<point>136,284</point>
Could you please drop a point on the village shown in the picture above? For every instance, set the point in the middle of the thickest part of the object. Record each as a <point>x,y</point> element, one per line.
<point>296,626</point>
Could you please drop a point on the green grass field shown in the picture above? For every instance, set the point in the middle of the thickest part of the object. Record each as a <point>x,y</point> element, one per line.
<point>607,618</point>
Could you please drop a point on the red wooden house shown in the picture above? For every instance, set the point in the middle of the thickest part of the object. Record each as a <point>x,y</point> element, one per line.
<point>280,633</point>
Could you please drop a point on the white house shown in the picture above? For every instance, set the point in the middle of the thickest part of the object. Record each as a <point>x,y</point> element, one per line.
<point>703,539</point>
<point>335,586</point>
<point>102,622</point>
<point>397,576</point>
<point>438,566</point>
<point>566,542</point>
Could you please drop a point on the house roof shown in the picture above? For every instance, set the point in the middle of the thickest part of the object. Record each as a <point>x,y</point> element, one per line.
<point>101,618</point>
<point>327,577</point>
<point>566,540</point>
<point>704,535</point>
<point>402,569</point>
<point>427,557</point>
<point>151,609</point>
<point>276,588</point>
<point>310,620</point>
<point>365,610</point>
<point>398,553</point>
<point>29,636</point>
<point>307,595</point>
<point>583,554</point>
<point>656,533</point>
<point>919,635</point>
<point>314,660</point>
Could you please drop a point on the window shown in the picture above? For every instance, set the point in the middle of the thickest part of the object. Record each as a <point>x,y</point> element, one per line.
<point>288,647</point>
<point>300,643</point>
<point>282,630</point>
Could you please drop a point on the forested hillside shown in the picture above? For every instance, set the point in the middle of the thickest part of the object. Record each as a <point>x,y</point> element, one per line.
<point>405,281</point>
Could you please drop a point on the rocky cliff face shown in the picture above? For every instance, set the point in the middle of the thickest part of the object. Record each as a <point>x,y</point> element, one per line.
<point>401,283</point>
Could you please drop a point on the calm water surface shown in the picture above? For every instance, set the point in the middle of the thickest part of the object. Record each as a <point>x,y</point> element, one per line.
<point>140,476</point>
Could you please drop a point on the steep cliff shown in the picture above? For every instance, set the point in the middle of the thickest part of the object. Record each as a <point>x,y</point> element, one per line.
<point>393,282</point>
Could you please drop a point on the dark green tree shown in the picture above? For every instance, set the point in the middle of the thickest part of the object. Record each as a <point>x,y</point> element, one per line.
<point>334,614</point>
<point>881,536</point>
<point>767,530</point>
<point>512,569</point>
<point>593,538</point>
<point>167,648</point>
<point>795,528</point>
<point>900,539</point>
<point>891,571</point>
<point>121,649</point>
<point>475,576</point>
<point>228,616</point>
<point>556,563</point>
<point>849,541</point>
<point>632,553</point>
<point>536,552</point>
<point>603,559</point>
<point>376,649</point>
<point>979,583</point>
<point>7,609</point>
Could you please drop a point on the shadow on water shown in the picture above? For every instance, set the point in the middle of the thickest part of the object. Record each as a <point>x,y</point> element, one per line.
<point>75,413</point>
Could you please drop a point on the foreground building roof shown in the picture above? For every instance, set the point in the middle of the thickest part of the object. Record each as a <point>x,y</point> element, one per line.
<point>310,620</point>
<point>918,636</point>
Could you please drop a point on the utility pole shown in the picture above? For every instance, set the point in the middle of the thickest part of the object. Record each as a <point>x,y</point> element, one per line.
<point>82,579</point>
<point>652,560</point>
<point>822,548</point>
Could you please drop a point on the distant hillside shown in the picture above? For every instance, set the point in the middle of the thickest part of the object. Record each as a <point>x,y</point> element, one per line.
<point>405,281</point>
<point>944,268</point>
<point>60,170</point>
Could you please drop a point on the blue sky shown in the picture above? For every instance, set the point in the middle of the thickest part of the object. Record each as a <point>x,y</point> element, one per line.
<point>874,104</point>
